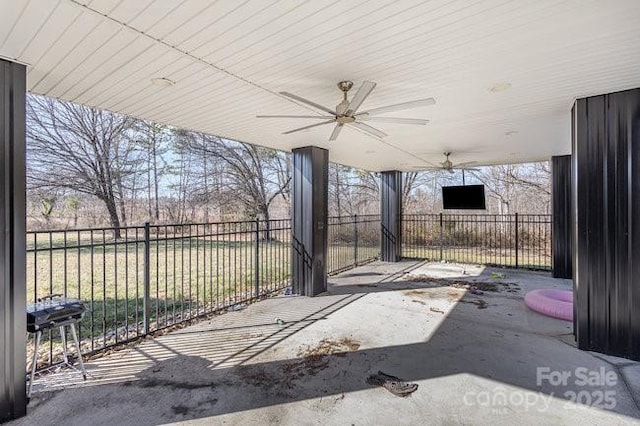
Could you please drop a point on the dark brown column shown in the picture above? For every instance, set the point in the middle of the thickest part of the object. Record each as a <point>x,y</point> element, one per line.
<point>391,216</point>
<point>606,222</point>
<point>561,215</point>
<point>13,402</point>
<point>309,220</point>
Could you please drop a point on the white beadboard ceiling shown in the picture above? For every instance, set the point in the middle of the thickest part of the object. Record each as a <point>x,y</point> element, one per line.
<point>230,58</point>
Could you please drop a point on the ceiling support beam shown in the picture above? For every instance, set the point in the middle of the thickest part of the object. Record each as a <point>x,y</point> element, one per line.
<point>309,211</point>
<point>391,216</point>
<point>606,222</point>
<point>13,400</point>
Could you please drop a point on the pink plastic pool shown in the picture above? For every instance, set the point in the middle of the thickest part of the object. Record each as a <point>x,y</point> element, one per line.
<point>551,302</point>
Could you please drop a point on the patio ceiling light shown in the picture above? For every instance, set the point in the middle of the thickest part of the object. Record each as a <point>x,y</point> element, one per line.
<point>162,82</point>
<point>499,87</point>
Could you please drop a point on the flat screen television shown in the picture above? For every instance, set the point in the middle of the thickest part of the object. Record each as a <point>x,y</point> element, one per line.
<point>467,197</point>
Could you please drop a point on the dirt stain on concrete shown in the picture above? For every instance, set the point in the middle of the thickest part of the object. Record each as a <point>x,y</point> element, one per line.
<point>489,286</point>
<point>330,347</point>
<point>151,383</point>
<point>312,360</point>
<point>480,303</point>
<point>415,293</point>
<point>180,409</point>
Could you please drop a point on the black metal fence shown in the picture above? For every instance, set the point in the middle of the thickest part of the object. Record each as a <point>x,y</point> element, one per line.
<point>148,278</point>
<point>152,277</point>
<point>515,240</point>
<point>353,240</point>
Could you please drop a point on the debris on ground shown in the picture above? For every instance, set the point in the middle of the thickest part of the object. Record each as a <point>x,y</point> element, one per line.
<point>315,359</point>
<point>498,275</point>
<point>475,290</point>
<point>393,384</point>
<point>432,309</point>
<point>418,301</point>
<point>481,304</point>
<point>330,347</point>
<point>279,321</point>
<point>475,287</point>
<point>312,360</point>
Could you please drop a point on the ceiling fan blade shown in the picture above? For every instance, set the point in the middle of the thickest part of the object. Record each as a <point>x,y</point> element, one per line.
<point>336,132</point>
<point>399,107</point>
<point>308,102</point>
<point>426,168</point>
<point>368,129</point>
<point>363,92</point>
<point>468,169</point>
<point>307,127</point>
<point>466,163</point>
<point>322,117</point>
<point>367,117</point>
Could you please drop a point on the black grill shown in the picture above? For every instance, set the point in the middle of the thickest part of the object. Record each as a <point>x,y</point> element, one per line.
<point>53,311</point>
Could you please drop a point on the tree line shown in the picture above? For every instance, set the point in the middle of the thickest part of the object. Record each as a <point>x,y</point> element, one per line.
<point>88,167</point>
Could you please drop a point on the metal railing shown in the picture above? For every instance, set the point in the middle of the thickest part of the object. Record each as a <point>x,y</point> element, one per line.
<point>514,240</point>
<point>353,241</point>
<point>152,277</point>
<point>155,276</point>
<point>147,278</point>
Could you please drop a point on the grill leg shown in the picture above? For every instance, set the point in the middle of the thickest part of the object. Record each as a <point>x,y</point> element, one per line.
<point>75,338</point>
<point>63,337</point>
<point>34,363</point>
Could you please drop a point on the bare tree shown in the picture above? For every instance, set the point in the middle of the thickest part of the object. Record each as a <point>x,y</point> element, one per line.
<point>153,138</point>
<point>352,191</point>
<point>79,148</point>
<point>257,175</point>
<point>181,169</point>
<point>518,186</point>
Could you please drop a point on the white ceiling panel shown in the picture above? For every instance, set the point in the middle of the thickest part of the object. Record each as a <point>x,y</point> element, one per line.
<point>12,13</point>
<point>23,27</point>
<point>229,60</point>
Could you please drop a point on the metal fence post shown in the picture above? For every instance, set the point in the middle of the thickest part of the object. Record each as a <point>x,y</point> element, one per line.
<point>441,237</point>
<point>516,240</point>
<point>257,259</point>
<point>146,301</point>
<point>355,240</point>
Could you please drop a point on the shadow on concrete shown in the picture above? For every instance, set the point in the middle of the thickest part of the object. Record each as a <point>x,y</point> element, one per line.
<point>181,385</point>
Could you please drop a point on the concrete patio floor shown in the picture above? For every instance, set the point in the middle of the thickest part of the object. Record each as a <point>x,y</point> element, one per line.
<point>478,359</point>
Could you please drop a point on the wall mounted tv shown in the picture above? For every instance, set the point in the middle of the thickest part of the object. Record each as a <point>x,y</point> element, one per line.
<point>467,197</point>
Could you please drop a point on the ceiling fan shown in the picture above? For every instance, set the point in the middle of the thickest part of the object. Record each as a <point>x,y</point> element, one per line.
<point>346,112</point>
<point>448,165</point>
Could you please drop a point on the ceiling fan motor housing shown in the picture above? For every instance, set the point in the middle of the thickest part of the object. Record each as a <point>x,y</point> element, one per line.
<point>342,107</point>
<point>345,86</point>
<point>345,119</point>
